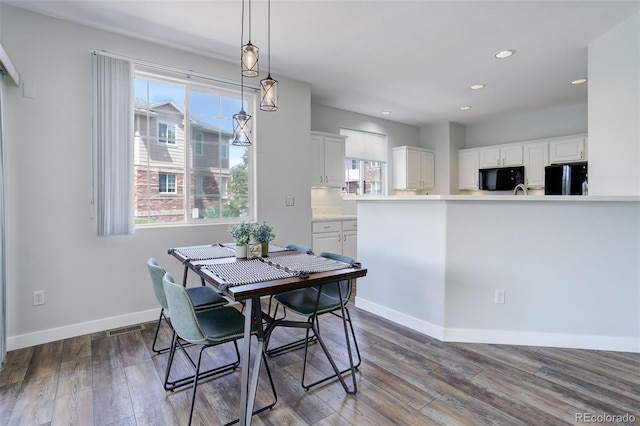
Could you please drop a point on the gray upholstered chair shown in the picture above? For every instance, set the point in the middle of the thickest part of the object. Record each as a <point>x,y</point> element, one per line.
<point>208,328</point>
<point>312,302</point>
<point>202,297</point>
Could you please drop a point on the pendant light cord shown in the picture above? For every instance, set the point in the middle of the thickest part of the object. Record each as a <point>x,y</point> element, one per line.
<point>269,38</point>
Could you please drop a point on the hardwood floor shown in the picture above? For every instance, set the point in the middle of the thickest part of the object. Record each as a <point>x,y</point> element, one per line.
<point>405,378</point>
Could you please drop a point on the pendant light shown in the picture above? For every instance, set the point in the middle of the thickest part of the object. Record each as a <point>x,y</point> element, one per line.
<point>241,126</point>
<point>250,52</point>
<point>269,86</point>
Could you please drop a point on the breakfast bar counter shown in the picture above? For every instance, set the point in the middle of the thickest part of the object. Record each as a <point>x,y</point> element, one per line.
<point>527,270</point>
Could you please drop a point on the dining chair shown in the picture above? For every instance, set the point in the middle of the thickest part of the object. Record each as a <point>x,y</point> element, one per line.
<point>202,297</point>
<point>311,302</point>
<point>290,246</point>
<point>206,329</point>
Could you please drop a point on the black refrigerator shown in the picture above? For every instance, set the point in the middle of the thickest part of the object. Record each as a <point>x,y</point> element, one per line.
<point>566,179</point>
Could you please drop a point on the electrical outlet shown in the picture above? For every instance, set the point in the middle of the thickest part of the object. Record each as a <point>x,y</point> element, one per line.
<point>499,296</point>
<point>38,297</point>
<point>291,200</point>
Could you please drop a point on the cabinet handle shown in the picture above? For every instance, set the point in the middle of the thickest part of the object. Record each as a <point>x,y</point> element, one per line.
<point>339,239</point>
<point>327,227</point>
<point>503,161</point>
<point>344,237</point>
<point>581,153</point>
<point>321,179</point>
<point>498,162</point>
<point>326,179</point>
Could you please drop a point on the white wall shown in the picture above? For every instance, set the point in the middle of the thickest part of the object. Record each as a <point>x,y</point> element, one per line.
<point>571,279</point>
<point>96,283</point>
<point>557,120</point>
<point>614,111</point>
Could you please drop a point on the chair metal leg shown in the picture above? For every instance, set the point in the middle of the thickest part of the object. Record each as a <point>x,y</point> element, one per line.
<point>155,337</point>
<point>195,384</point>
<point>172,385</point>
<point>346,317</point>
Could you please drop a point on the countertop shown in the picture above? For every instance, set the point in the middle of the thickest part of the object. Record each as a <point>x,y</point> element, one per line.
<point>334,217</point>
<point>507,198</point>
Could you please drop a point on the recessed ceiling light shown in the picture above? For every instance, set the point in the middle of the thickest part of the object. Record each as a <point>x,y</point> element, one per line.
<point>505,53</point>
<point>465,108</point>
<point>477,86</point>
<point>385,112</point>
<point>579,81</point>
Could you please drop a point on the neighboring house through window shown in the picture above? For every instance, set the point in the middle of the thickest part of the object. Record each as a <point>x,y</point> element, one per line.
<point>209,176</point>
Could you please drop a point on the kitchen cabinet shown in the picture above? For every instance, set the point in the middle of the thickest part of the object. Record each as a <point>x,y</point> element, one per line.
<point>500,156</point>
<point>336,236</point>
<point>413,168</point>
<point>536,158</point>
<point>468,169</point>
<point>566,150</point>
<point>327,160</point>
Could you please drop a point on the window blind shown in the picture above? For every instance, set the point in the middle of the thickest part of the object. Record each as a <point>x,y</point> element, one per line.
<point>365,145</point>
<point>113,135</point>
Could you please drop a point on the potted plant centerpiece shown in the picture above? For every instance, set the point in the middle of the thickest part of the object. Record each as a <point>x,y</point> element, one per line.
<point>263,233</point>
<point>241,233</point>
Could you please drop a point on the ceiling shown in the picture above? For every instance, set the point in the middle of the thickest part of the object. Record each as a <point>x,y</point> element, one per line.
<point>416,59</point>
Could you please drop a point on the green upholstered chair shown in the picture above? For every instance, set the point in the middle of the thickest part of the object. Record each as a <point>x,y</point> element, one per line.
<point>208,328</point>
<point>202,297</point>
<point>312,302</point>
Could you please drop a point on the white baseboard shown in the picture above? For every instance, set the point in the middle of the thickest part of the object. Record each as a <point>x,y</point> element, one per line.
<point>401,318</point>
<point>60,333</point>
<point>524,338</point>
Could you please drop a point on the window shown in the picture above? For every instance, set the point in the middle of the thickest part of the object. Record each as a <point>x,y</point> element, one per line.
<point>167,133</point>
<point>198,148</point>
<point>365,164</point>
<point>207,177</point>
<point>166,183</point>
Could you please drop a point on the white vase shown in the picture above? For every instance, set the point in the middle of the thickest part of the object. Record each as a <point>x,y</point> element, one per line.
<point>241,251</point>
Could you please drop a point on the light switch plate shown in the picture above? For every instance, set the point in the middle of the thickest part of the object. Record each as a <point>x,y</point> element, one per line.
<point>291,200</point>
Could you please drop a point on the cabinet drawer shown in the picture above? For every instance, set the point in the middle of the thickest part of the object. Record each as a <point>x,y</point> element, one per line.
<point>350,225</point>
<point>326,227</point>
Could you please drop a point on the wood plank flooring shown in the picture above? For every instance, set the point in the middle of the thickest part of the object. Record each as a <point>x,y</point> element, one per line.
<point>405,378</point>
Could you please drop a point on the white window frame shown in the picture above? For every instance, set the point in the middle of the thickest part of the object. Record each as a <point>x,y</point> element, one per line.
<point>198,143</point>
<point>225,90</point>
<point>168,140</point>
<point>167,184</point>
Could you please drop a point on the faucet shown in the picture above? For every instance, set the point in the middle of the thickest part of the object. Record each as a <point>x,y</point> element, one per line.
<point>520,187</point>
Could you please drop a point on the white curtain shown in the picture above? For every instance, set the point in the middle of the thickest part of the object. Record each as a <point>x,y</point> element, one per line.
<point>113,134</point>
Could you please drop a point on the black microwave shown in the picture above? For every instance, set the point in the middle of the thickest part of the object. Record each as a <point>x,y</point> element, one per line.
<point>500,179</point>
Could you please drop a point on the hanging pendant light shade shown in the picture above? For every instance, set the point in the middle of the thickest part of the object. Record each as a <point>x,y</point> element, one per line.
<point>269,86</point>
<point>269,94</point>
<point>241,129</point>
<point>250,66</point>
<point>250,53</point>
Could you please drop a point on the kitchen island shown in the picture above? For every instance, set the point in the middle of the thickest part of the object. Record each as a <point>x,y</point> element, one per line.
<point>568,268</point>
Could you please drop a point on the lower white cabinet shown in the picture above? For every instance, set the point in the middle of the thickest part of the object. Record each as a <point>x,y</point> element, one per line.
<point>336,236</point>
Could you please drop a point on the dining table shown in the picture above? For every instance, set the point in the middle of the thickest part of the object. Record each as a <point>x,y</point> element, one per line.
<point>247,281</point>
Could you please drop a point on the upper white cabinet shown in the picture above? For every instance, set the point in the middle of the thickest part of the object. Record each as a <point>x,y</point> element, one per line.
<point>327,160</point>
<point>536,158</point>
<point>566,150</point>
<point>468,169</point>
<point>500,156</point>
<point>413,168</point>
